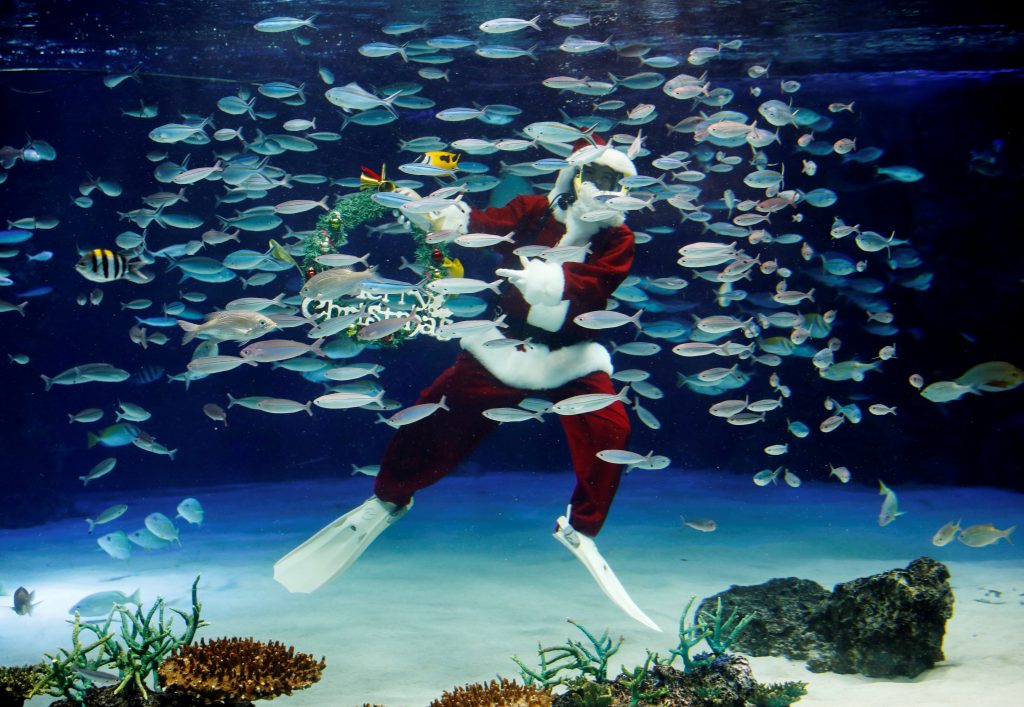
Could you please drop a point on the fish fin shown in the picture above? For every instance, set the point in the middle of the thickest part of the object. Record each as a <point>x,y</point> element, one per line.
<point>48,381</point>
<point>1008,532</point>
<point>190,330</point>
<point>91,440</point>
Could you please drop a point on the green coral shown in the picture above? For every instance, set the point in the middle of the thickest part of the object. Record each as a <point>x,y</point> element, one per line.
<point>16,682</point>
<point>143,645</point>
<point>590,686</point>
<point>780,694</point>
<point>709,628</point>
<point>135,654</point>
<point>635,680</point>
<point>574,655</point>
<point>61,677</point>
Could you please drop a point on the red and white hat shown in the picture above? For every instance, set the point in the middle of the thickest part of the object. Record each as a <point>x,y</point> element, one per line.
<point>611,158</point>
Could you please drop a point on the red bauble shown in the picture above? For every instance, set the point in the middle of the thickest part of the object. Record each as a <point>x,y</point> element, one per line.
<point>310,272</point>
<point>437,256</point>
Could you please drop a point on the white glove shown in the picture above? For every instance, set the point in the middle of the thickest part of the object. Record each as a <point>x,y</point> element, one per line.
<point>418,220</point>
<point>540,282</point>
<point>454,217</point>
<point>451,218</point>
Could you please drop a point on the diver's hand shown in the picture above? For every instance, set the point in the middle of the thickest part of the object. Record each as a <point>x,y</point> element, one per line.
<point>539,281</point>
<point>418,220</point>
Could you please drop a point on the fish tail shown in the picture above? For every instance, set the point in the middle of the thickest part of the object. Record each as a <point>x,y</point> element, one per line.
<point>232,400</point>
<point>441,403</point>
<point>1008,532</point>
<point>307,407</point>
<point>190,330</point>
<point>636,319</point>
<point>21,308</point>
<point>92,524</point>
<point>47,380</point>
<point>171,454</point>
<point>315,347</point>
<point>91,440</point>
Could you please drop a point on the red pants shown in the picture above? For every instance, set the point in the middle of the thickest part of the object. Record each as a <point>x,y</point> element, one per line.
<point>422,453</point>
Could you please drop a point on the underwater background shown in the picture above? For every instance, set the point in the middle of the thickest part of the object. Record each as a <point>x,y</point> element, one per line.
<point>934,87</point>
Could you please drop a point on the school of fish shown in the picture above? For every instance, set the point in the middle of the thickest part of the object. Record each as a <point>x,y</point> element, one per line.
<point>771,283</point>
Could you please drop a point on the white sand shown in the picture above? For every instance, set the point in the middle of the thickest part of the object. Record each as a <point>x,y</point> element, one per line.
<point>471,577</point>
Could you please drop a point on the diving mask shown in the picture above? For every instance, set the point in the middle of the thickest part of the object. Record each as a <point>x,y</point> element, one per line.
<point>604,178</point>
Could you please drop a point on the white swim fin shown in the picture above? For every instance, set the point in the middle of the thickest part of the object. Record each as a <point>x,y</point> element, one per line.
<point>586,551</point>
<point>336,546</point>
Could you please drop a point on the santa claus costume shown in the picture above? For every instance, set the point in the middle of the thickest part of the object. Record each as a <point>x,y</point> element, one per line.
<point>561,360</point>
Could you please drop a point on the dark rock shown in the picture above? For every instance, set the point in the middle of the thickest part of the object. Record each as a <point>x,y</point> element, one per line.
<point>886,625</point>
<point>781,609</point>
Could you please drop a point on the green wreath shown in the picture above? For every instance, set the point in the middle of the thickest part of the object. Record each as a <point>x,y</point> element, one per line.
<point>349,212</point>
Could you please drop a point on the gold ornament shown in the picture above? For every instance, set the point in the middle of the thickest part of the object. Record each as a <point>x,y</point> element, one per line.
<point>334,221</point>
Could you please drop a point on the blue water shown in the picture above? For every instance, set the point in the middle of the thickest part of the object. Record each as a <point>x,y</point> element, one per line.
<point>932,84</point>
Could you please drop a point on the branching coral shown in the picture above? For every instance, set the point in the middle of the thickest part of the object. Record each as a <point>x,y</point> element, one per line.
<point>574,655</point>
<point>146,637</point>
<point>238,669</point>
<point>495,694</point>
<point>16,683</point>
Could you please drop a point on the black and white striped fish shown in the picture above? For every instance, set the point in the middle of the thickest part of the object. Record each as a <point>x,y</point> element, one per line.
<point>102,265</point>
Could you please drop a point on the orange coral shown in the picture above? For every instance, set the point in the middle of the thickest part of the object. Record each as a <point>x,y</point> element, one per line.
<point>495,694</point>
<point>238,669</point>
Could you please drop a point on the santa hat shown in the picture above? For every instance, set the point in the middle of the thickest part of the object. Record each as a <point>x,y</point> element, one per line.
<point>611,158</point>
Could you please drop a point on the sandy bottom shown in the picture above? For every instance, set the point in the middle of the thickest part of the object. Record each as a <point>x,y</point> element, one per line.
<point>471,577</point>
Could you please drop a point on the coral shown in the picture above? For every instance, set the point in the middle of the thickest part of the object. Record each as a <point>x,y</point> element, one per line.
<point>61,677</point>
<point>635,680</point>
<point>16,683</point>
<point>495,694</point>
<point>710,628</point>
<point>135,655</point>
<point>238,669</point>
<point>144,646</point>
<point>574,656</point>
<point>780,694</point>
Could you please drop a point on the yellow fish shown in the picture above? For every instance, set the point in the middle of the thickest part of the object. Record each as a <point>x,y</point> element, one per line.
<point>278,252</point>
<point>454,267</point>
<point>444,160</point>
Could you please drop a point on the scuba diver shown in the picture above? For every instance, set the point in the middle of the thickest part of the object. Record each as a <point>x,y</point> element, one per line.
<point>550,354</point>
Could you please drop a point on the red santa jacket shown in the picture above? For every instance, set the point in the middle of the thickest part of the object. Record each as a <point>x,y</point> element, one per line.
<point>588,284</point>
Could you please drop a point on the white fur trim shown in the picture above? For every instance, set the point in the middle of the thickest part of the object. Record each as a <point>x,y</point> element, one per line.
<point>548,317</point>
<point>617,160</point>
<point>542,282</point>
<point>537,368</point>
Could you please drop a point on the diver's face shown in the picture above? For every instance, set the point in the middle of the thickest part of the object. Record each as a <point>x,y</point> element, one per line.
<point>602,177</point>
